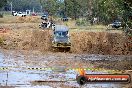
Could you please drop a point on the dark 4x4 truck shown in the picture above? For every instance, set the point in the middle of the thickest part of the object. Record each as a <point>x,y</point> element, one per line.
<point>116,24</point>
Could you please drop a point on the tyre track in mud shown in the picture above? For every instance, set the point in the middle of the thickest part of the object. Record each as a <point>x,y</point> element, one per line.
<point>37,59</point>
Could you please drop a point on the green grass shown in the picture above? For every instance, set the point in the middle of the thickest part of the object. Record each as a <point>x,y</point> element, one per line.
<point>72,25</point>
<point>91,27</point>
<point>6,13</point>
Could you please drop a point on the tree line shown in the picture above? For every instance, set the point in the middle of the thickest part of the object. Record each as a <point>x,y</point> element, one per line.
<point>105,10</point>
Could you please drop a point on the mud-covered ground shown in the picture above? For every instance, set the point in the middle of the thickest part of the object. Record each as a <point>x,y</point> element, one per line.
<point>27,36</point>
<point>26,68</point>
<point>26,56</point>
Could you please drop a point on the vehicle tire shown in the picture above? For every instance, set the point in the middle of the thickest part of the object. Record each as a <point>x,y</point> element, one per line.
<point>116,26</point>
<point>67,49</point>
<point>81,80</point>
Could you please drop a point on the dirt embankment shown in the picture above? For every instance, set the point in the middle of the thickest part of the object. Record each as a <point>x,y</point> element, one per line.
<point>101,43</point>
<point>87,42</point>
<point>112,43</point>
<point>41,40</point>
<point>17,19</point>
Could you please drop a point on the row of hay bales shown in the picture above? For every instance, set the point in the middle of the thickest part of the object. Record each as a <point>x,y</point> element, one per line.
<point>86,42</point>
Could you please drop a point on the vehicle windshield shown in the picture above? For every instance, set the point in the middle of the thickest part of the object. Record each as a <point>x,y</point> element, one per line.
<point>61,34</point>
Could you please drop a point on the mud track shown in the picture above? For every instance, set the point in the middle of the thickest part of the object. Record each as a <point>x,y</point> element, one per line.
<point>18,62</point>
<point>29,37</point>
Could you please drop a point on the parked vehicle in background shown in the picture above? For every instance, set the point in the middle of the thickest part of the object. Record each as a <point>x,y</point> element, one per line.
<point>14,13</point>
<point>21,14</point>
<point>116,24</point>
<point>44,17</point>
<point>34,14</point>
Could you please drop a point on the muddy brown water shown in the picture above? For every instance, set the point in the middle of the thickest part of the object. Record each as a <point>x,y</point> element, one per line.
<point>15,72</point>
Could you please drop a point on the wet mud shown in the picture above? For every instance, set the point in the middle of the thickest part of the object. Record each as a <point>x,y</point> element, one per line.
<point>31,68</point>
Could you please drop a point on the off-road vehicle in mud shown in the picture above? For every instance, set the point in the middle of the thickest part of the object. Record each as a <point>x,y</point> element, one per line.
<point>61,37</point>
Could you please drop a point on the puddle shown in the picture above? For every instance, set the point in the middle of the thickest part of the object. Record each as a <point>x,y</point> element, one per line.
<point>18,74</point>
